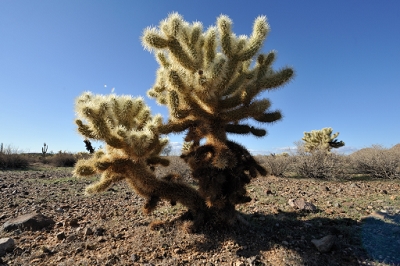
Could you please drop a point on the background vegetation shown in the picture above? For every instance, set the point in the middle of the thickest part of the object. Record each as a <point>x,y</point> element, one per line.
<point>374,162</point>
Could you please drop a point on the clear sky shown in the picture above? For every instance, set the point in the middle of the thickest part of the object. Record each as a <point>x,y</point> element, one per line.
<point>346,55</point>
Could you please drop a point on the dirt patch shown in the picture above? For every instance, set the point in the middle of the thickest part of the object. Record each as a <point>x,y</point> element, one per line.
<point>110,229</point>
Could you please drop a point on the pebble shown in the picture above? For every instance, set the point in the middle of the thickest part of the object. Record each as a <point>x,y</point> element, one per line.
<point>61,236</point>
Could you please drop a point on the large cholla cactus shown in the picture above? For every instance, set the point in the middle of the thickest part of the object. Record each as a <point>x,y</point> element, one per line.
<point>321,140</point>
<point>210,82</point>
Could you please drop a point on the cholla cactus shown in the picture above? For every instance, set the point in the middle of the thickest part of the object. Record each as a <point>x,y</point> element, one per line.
<point>321,140</point>
<point>210,82</point>
<point>132,149</point>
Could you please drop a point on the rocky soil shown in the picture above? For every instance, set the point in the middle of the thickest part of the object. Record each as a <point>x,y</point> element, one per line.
<point>291,222</point>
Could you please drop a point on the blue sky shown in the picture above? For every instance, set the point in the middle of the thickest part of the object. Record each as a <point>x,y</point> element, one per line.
<point>346,55</point>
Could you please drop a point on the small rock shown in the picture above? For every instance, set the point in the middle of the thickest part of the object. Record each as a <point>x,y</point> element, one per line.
<point>101,239</point>
<point>324,244</point>
<point>59,224</point>
<point>71,238</point>
<point>134,257</point>
<point>285,243</point>
<point>31,221</point>
<point>72,222</point>
<point>60,210</point>
<point>119,236</point>
<point>90,246</point>
<point>6,244</point>
<point>61,236</point>
<point>65,207</point>
<point>301,204</point>
<point>99,231</point>
<point>78,250</point>
<point>177,251</point>
<point>46,250</point>
<point>88,231</point>
<point>396,230</point>
<point>291,203</point>
<point>329,211</point>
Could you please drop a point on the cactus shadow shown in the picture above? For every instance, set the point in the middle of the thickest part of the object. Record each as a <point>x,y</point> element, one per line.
<point>380,235</point>
<point>355,242</point>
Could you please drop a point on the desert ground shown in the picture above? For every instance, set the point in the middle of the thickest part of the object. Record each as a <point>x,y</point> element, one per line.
<point>358,221</point>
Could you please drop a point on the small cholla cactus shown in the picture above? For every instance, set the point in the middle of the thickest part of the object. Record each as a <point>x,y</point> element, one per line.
<point>321,140</point>
<point>132,149</point>
<point>211,82</point>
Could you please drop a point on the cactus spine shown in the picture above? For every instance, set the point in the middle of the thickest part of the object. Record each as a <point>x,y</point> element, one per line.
<point>209,83</point>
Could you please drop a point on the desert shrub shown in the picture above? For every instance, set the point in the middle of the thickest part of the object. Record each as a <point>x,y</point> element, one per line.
<point>277,165</point>
<point>377,162</point>
<point>63,159</point>
<point>319,164</point>
<point>10,158</point>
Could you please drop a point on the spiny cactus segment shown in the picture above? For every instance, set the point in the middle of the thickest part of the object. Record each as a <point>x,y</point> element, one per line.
<point>209,82</point>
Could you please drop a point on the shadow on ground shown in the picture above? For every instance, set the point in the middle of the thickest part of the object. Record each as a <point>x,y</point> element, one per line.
<point>371,240</point>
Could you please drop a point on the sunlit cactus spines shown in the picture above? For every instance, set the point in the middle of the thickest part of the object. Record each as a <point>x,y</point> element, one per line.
<point>133,145</point>
<point>321,140</point>
<point>209,80</point>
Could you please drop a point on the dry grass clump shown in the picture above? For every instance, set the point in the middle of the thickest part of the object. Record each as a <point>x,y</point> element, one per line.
<point>377,162</point>
<point>10,158</point>
<point>320,165</point>
<point>277,165</point>
<point>63,159</point>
